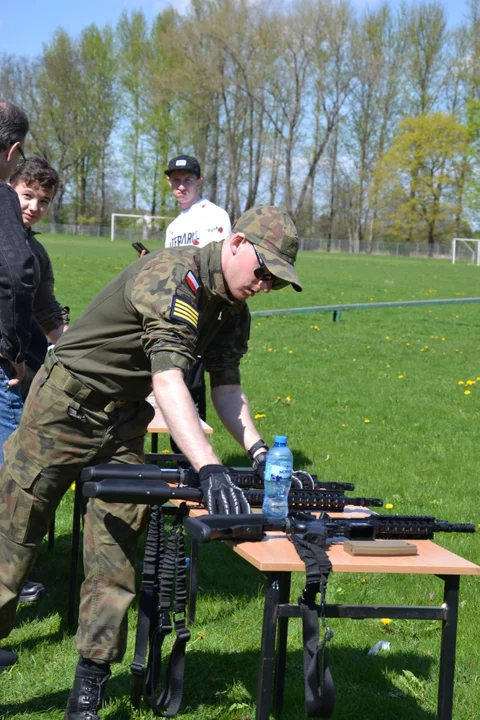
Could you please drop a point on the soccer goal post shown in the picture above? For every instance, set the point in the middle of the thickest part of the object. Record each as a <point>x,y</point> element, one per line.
<point>465,244</point>
<point>137,227</point>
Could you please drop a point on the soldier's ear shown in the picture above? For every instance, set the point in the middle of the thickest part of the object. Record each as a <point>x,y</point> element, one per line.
<point>236,240</point>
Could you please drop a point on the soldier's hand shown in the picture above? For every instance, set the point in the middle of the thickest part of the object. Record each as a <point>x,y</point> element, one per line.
<point>258,465</point>
<point>220,494</point>
<point>19,371</point>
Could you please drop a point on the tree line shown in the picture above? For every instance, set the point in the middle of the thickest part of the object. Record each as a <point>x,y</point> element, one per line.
<point>363,126</point>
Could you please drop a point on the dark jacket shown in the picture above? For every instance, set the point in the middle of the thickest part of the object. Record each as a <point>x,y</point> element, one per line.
<point>16,278</point>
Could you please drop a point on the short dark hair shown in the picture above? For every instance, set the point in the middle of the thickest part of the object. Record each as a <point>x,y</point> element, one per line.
<point>35,171</point>
<point>13,125</point>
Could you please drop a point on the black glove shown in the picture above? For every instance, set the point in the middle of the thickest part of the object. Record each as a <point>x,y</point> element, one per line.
<point>302,480</point>
<point>220,494</point>
<point>258,465</point>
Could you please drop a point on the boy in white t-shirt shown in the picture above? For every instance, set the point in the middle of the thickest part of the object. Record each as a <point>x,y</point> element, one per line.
<point>200,221</point>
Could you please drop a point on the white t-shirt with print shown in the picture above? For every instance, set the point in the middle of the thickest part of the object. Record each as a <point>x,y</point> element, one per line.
<point>202,223</point>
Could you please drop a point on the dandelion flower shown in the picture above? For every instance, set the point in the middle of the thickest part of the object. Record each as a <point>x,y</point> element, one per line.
<point>467,392</point>
<point>386,621</point>
<point>460,382</point>
<point>259,415</point>
<point>470,382</point>
<point>400,377</point>
<point>389,506</point>
<point>363,580</point>
<point>72,486</point>
<point>367,420</point>
<point>290,352</point>
<point>288,399</point>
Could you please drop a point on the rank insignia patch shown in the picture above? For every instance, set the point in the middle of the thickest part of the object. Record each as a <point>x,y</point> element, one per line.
<point>192,281</point>
<point>183,311</point>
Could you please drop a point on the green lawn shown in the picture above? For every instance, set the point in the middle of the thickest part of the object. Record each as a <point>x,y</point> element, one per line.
<point>388,399</point>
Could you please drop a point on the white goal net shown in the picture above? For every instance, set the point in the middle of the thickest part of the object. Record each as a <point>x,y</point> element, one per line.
<point>466,249</point>
<point>138,227</point>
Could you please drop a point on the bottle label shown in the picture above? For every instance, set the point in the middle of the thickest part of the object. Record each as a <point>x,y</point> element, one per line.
<point>278,471</point>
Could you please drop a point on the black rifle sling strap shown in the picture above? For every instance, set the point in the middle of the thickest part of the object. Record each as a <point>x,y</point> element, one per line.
<point>319,688</point>
<point>147,600</point>
<point>170,572</point>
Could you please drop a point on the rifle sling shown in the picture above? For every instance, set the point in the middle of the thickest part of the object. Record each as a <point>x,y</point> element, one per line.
<point>163,570</point>
<point>319,688</point>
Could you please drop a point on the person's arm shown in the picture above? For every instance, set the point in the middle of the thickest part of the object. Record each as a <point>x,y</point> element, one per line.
<point>178,409</point>
<point>57,333</point>
<point>47,310</point>
<point>233,409</point>
<point>16,281</point>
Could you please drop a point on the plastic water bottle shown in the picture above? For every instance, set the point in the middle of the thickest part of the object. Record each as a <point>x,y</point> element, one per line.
<point>278,478</point>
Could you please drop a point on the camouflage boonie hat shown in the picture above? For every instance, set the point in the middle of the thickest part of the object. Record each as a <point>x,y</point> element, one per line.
<point>274,232</point>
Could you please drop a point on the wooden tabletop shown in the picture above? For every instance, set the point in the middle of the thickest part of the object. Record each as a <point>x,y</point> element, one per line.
<point>275,553</point>
<point>158,424</point>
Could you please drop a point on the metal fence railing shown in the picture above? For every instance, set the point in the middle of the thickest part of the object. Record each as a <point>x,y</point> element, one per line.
<point>441,250</point>
<point>380,247</point>
<point>133,233</point>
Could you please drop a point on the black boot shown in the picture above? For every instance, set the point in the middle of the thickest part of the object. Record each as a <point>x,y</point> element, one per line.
<point>7,659</point>
<point>31,592</point>
<point>88,687</point>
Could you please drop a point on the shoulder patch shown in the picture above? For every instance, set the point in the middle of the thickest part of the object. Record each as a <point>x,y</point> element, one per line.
<point>184,311</point>
<point>192,281</point>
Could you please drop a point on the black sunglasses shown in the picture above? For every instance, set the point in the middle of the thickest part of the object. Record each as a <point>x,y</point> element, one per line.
<point>262,273</point>
<point>22,154</point>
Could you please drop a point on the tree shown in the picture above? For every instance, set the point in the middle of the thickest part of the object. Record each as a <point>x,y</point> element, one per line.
<point>417,180</point>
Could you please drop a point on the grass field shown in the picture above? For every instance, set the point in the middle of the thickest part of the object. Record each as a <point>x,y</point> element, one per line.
<point>388,399</point>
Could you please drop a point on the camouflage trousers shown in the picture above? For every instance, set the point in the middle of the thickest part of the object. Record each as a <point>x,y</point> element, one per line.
<point>64,428</point>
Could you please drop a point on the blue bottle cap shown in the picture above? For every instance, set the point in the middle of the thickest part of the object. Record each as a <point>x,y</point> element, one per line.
<point>280,439</point>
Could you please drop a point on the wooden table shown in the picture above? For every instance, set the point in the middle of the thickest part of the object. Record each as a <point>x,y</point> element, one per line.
<point>276,557</point>
<point>158,425</point>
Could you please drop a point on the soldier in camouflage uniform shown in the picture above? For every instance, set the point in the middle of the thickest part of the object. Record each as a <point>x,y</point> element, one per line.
<point>86,407</point>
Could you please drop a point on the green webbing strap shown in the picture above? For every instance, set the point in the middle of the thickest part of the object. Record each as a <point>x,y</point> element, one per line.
<point>319,688</point>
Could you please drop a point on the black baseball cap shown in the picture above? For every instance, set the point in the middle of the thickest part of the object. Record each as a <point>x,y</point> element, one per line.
<point>184,162</point>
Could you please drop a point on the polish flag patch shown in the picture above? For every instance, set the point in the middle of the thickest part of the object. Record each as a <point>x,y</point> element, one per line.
<point>192,282</point>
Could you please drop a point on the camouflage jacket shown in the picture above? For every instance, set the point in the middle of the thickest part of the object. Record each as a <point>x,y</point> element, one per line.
<point>159,313</point>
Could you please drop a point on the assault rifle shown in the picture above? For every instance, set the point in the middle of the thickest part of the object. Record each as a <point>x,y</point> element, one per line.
<point>146,484</point>
<point>149,484</point>
<point>316,529</point>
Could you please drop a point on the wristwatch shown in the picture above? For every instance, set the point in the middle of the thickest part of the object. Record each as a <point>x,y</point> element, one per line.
<point>256,446</point>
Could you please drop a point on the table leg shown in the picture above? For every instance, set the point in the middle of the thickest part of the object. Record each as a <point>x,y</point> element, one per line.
<point>72,587</point>
<point>154,442</point>
<point>267,648</point>
<point>282,634</point>
<point>448,646</point>
<point>193,581</point>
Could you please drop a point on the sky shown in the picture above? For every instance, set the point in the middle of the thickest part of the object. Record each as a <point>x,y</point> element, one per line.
<point>25,27</point>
